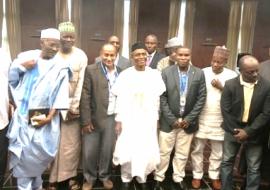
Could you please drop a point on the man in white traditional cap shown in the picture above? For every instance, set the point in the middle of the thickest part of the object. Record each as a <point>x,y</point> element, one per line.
<point>171,46</point>
<point>39,85</point>
<point>67,159</point>
<point>210,120</point>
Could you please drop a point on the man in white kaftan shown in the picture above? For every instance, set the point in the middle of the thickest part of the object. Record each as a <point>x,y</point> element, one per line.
<point>38,82</point>
<point>210,120</point>
<point>137,89</point>
<point>66,162</point>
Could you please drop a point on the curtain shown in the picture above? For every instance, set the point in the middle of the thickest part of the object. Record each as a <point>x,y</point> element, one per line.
<point>233,32</point>
<point>189,22</point>
<point>248,25</point>
<point>13,27</point>
<point>118,19</point>
<point>133,21</point>
<point>175,6</point>
<point>76,19</point>
<point>61,11</point>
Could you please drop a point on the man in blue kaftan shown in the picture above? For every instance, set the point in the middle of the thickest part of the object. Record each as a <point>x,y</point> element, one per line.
<point>38,82</point>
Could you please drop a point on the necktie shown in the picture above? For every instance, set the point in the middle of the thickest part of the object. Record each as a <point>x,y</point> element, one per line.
<point>148,60</point>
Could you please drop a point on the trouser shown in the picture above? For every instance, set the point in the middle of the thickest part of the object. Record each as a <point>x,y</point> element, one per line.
<point>182,142</point>
<point>3,154</point>
<point>97,151</point>
<point>29,183</point>
<point>215,158</point>
<point>67,159</point>
<point>126,174</point>
<point>253,157</point>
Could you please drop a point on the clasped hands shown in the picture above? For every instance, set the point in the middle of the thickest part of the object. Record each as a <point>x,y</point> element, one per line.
<point>180,124</point>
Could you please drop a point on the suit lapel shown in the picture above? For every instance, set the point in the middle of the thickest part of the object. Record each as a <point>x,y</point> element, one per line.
<point>256,92</point>
<point>191,74</point>
<point>176,77</point>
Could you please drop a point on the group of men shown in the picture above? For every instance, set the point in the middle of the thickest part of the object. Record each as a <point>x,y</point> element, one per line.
<point>111,111</point>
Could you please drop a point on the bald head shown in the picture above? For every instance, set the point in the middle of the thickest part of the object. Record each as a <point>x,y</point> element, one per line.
<point>249,68</point>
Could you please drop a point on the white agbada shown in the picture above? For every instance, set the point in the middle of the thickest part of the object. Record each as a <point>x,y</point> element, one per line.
<point>210,118</point>
<point>137,107</point>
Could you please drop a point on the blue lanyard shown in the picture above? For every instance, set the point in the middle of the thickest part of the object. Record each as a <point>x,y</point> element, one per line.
<point>183,77</point>
<point>105,72</point>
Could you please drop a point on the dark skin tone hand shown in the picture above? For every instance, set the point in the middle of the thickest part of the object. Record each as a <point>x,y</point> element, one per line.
<point>183,124</point>
<point>240,135</point>
<point>217,84</point>
<point>88,128</point>
<point>45,121</point>
<point>29,64</point>
<point>118,128</point>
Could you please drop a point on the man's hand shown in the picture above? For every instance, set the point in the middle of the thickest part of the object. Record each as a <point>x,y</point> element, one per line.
<point>118,128</point>
<point>41,121</point>
<point>240,134</point>
<point>71,115</point>
<point>176,125</point>
<point>184,124</point>
<point>29,64</point>
<point>88,128</point>
<point>217,84</point>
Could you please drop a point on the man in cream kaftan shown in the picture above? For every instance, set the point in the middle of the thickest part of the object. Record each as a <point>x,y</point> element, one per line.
<point>38,81</point>
<point>137,89</point>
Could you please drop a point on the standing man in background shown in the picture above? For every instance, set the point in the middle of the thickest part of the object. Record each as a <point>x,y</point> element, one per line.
<point>210,120</point>
<point>4,113</point>
<point>97,119</point>
<point>153,57</point>
<point>39,85</point>
<point>65,164</point>
<point>120,61</point>
<point>171,46</point>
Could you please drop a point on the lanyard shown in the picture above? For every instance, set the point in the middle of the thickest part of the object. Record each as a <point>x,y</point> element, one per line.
<point>105,72</point>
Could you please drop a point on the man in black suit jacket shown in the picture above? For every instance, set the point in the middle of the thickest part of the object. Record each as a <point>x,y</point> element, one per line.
<point>245,106</point>
<point>180,107</point>
<point>154,56</point>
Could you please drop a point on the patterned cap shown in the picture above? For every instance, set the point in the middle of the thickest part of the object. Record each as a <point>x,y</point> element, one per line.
<point>66,27</point>
<point>221,51</point>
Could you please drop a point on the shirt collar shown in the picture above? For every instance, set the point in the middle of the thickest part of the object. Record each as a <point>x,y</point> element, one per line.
<point>247,84</point>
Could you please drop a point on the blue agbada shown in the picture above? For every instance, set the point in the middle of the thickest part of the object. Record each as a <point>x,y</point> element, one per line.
<point>44,86</point>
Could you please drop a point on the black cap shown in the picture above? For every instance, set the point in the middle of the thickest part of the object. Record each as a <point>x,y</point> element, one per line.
<point>137,45</point>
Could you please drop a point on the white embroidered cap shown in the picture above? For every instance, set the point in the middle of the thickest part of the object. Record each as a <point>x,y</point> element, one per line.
<point>50,33</point>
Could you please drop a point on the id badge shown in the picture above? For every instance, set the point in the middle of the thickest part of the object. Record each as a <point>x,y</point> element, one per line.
<point>182,101</point>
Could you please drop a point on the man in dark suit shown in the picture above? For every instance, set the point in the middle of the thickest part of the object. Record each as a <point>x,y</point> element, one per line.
<point>180,107</point>
<point>97,118</point>
<point>120,61</point>
<point>151,42</point>
<point>245,106</point>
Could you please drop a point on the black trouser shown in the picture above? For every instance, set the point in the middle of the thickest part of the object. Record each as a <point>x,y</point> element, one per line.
<point>3,154</point>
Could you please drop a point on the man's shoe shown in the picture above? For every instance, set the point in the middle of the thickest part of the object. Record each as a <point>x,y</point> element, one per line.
<point>181,185</point>
<point>107,184</point>
<point>216,184</point>
<point>196,183</point>
<point>87,186</point>
<point>125,186</point>
<point>144,186</point>
<point>157,185</point>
